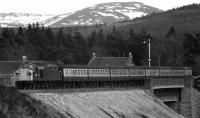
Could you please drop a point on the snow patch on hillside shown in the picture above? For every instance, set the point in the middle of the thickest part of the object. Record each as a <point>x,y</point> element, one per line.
<point>107,14</point>
<point>138,5</point>
<point>132,14</point>
<point>21,19</point>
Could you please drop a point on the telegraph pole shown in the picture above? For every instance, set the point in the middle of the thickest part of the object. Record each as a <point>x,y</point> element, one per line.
<point>149,45</point>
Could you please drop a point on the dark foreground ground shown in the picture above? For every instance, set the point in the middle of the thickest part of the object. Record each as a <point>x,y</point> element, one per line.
<point>17,105</point>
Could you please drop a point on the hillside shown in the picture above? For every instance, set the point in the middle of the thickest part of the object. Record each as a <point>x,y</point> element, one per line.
<point>107,104</point>
<point>183,19</point>
<point>106,13</point>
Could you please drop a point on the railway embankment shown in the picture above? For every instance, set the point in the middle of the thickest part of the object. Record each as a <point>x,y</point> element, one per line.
<point>125,103</point>
<point>131,103</point>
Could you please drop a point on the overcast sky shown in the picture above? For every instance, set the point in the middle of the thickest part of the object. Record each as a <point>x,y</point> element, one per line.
<point>64,6</point>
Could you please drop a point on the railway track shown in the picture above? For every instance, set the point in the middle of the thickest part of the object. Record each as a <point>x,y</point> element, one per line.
<point>76,90</point>
<point>46,85</point>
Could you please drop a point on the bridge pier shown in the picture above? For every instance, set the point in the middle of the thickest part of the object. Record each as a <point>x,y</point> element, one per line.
<point>148,84</point>
<point>175,92</point>
<point>186,102</point>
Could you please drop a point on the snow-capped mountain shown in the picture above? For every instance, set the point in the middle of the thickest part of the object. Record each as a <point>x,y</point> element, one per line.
<point>106,13</point>
<point>97,14</point>
<point>54,19</point>
<point>20,19</point>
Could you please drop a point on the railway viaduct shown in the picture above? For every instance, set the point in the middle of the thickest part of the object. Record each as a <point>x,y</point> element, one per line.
<point>174,91</point>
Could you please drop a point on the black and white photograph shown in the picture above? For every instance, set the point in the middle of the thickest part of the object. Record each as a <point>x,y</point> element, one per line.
<point>99,58</point>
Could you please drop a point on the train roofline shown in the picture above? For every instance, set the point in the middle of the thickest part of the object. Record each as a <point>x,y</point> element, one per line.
<point>123,67</point>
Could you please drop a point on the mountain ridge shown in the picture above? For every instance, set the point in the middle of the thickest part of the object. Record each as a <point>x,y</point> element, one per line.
<point>107,13</point>
<point>97,14</point>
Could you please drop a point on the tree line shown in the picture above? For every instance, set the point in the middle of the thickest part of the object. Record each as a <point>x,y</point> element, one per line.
<point>41,43</point>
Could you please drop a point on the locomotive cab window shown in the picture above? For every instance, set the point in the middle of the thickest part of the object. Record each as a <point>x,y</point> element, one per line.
<point>17,74</point>
<point>41,73</point>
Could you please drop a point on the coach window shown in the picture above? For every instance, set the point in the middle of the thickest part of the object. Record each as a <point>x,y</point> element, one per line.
<point>135,72</point>
<point>93,72</point>
<point>66,72</point>
<point>118,72</point>
<point>114,71</point>
<point>102,72</point>
<point>106,71</point>
<point>122,72</point>
<point>97,71</point>
<point>83,71</point>
<point>75,72</point>
<point>79,72</point>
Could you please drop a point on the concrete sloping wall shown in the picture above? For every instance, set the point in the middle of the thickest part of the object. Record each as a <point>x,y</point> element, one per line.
<point>107,104</point>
